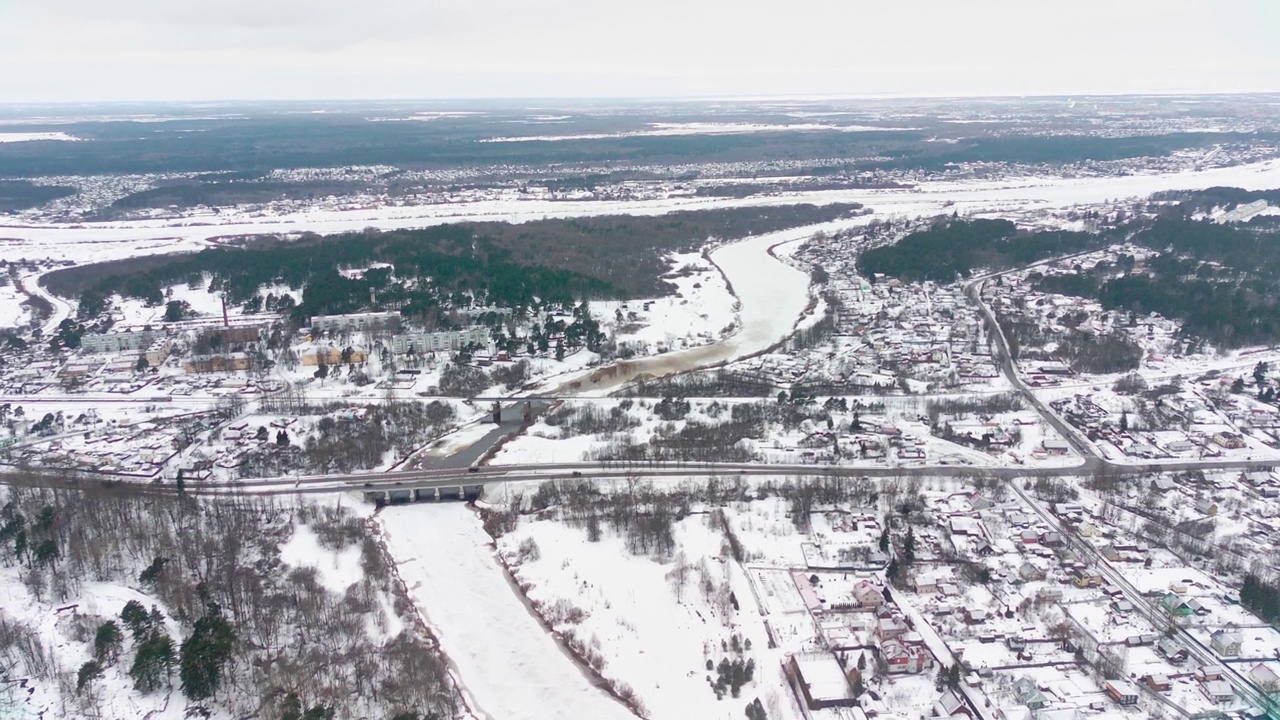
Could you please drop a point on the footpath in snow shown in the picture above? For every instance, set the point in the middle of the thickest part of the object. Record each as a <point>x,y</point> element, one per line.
<point>509,667</point>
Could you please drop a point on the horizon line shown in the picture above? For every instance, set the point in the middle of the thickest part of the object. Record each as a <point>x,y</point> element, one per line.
<point>782,97</point>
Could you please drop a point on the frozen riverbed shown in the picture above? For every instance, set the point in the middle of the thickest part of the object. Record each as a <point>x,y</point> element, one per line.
<point>510,669</point>
<point>101,241</point>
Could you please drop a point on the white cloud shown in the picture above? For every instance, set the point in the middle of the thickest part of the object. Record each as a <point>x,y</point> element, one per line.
<point>286,49</point>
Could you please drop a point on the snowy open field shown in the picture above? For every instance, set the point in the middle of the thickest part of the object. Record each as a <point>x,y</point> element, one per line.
<point>656,622</point>
<point>12,313</point>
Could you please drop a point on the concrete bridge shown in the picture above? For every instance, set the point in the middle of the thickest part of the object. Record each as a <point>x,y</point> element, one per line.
<point>433,493</point>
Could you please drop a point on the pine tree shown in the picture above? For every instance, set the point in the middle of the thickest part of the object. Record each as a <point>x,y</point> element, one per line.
<point>107,642</point>
<point>136,619</point>
<point>205,653</point>
<point>152,663</point>
<point>88,672</point>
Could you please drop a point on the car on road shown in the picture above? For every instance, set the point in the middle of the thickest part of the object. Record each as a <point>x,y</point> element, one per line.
<point>473,468</point>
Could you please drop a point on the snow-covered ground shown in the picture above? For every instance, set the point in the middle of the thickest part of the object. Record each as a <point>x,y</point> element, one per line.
<point>104,239</point>
<point>509,668</point>
<point>12,313</point>
<point>700,310</point>
<point>699,128</point>
<point>657,623</point>
<point>15,137</point>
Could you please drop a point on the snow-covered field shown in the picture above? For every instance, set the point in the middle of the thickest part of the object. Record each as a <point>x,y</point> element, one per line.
<point>12,313</point>
<point>657,623</point>
<point>702,128</point>
<point>80,240</point>
<point>509,668</point>
<point>14,137</point>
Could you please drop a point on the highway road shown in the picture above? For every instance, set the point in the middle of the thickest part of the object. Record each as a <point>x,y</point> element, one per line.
<point>448,477</point>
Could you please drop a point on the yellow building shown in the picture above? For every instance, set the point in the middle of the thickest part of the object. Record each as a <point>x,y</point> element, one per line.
<point>333,356</point>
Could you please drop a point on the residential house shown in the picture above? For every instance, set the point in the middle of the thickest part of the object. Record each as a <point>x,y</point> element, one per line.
<point>1029,694</point>
<point>1157,682</point>
<point>1265,677</point>
<point>1123,693</point>
<point>906,658</point>
<point>1218,690</point>
<point>1226,642</point>
<point>1178,606</point>
<point>890,628</point>
<point>867,595</point>
<point>1170,650</point>
<point>231,362</point>
<point>1030,573</point>
<point>951,705</point>
<point>821,680</point>
<point>1205,506</point>
<point>356,321</point>
<point>334,356</point>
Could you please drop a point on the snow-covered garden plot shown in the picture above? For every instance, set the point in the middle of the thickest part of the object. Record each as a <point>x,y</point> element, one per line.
<point>508,666</point>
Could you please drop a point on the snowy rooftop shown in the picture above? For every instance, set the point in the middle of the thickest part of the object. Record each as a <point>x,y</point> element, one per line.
<point>824,677</point>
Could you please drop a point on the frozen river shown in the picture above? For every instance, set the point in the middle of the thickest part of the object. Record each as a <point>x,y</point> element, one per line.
<point>508,666</point>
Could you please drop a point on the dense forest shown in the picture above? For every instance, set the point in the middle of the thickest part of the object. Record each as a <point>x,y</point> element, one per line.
<point>953,249</point>
<point>257,637</point>
<point>219,191</point>
<point>1190,202</point>
<point>511,265</point>
<point>21,194</point>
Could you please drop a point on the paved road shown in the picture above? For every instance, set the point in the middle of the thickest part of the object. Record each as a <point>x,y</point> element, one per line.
<point>1141,604</point>
<point>449,477</point>
<point>1004,359</point>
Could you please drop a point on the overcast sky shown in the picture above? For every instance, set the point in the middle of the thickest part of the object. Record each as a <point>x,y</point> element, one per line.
<point>91,50</point>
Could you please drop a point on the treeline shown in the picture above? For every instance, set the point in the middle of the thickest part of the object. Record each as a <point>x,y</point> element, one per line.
<point>18,195</point>
<point>1262,598</point>
<point>509,265</point>
<point>712,383</point>
<point>1191,202</point>
<point>1099,354</point>
<point>953,249</point>
<point>229,192</point>
<point>257,637</point>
